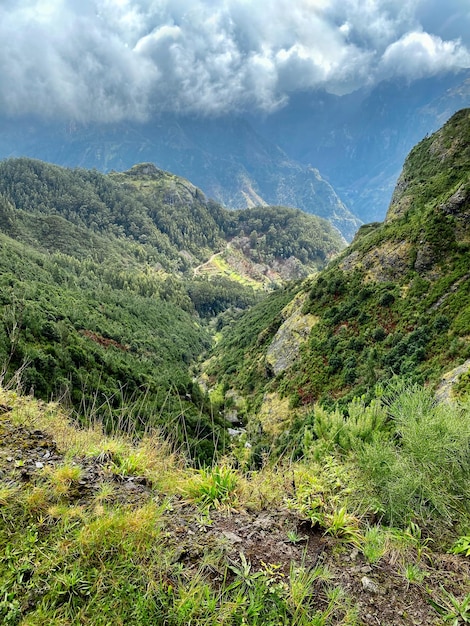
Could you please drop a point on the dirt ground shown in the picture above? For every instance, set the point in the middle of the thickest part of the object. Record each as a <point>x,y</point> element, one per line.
<point>268,541</point>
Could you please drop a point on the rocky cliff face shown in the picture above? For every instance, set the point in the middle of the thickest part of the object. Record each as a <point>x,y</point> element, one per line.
<point>429,211</point>
<point>285,348</point>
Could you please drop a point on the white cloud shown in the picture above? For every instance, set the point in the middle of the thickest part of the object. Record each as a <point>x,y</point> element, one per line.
<point>418,54</point>
<point>114,59</point>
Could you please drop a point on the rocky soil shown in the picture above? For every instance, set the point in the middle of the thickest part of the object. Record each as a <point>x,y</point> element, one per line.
<point>266,540</point>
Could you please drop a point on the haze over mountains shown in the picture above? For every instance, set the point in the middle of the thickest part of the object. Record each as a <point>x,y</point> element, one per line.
<point>360,140</point>
<point>334,156</point>
<point>225,157</point>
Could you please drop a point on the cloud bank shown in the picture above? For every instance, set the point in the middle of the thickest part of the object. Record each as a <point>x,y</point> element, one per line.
<point>109,60</point>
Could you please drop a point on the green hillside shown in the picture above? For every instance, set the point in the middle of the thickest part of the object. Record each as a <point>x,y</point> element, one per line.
<point>342,498</point>
<point>101,302</point>
<point>396,302</point>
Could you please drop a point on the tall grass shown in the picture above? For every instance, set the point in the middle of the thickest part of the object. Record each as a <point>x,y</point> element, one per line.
<point>407,456</point>
<point>100,559</point>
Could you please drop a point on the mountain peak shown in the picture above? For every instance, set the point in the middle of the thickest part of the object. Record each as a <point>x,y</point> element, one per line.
<point>436,169</point>
<point>145,169</point>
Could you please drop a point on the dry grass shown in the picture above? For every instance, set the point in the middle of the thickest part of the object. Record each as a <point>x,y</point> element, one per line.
<point>150,456</point>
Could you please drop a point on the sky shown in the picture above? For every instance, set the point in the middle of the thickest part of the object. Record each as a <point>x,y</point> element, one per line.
<point>113,60</point>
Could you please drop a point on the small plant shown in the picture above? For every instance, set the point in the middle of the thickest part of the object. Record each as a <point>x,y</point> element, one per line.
<point>245,576</point>
<point>343,525</point>
<point>412,537</point>
<point>294,537</point>
<point>109,450</point>
<point>7,494</point>
<point>413,573</point>
<point>63,479</point>
<point>375,544</point>
<point>104,493</point>
<point>129,465</point>
<point>452,609</point>
<point>422,472</point>
<point>204,521</point>
<point>216,486</point>
<point>462,546</point>
<point>69,515</point>
<point>301,595</point>
<point>36,500</point>
<point>10,608</point>
<point>322,618</point>
<point>69,587</point>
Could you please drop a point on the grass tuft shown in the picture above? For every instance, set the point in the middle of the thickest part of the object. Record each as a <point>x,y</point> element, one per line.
<point>214,487</point>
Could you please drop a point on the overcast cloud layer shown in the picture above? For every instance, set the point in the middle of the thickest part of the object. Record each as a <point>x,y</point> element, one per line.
<point>108,60</point>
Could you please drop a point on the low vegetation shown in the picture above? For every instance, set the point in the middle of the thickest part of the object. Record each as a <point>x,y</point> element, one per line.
<point>98,528</point>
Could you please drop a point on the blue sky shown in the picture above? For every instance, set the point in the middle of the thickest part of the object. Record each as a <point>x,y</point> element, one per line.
<point>108,60</point>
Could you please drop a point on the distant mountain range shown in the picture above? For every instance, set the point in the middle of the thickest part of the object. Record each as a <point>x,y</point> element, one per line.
<point>334,156</point>
<point>359,141</point>
<point>225,157</point>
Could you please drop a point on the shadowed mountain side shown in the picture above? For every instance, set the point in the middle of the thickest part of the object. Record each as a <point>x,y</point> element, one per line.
<point>359,141</point>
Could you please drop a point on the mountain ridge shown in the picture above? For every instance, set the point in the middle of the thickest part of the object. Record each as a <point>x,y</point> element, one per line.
<point>225,157</point>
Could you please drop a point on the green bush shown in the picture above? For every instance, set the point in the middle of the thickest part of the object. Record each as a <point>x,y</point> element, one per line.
<point>422,473</point>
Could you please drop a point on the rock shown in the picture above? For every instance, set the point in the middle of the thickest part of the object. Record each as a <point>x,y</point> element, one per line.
<point>285,347</point>
<point>456,202</point>
<point>354,554</point>
<point>369,585</point>
<point>425,258</point>
<point>234,432</point>
<point>39,465</point>
<point>447,382</point>
<point>349,262</point>
<point>265,522</point>
<point>232,537</point>
<point>387,262</point>
<point>232,416</point>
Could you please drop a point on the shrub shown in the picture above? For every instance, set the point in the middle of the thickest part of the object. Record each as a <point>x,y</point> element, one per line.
<point>387,299</point>
<point>422,472</point>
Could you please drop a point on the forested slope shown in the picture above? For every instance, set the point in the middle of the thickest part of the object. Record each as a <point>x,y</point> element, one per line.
<point>101,304</point>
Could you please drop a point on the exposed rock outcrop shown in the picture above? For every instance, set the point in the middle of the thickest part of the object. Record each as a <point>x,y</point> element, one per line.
<point>285,346</point>
<point>445,388</point>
